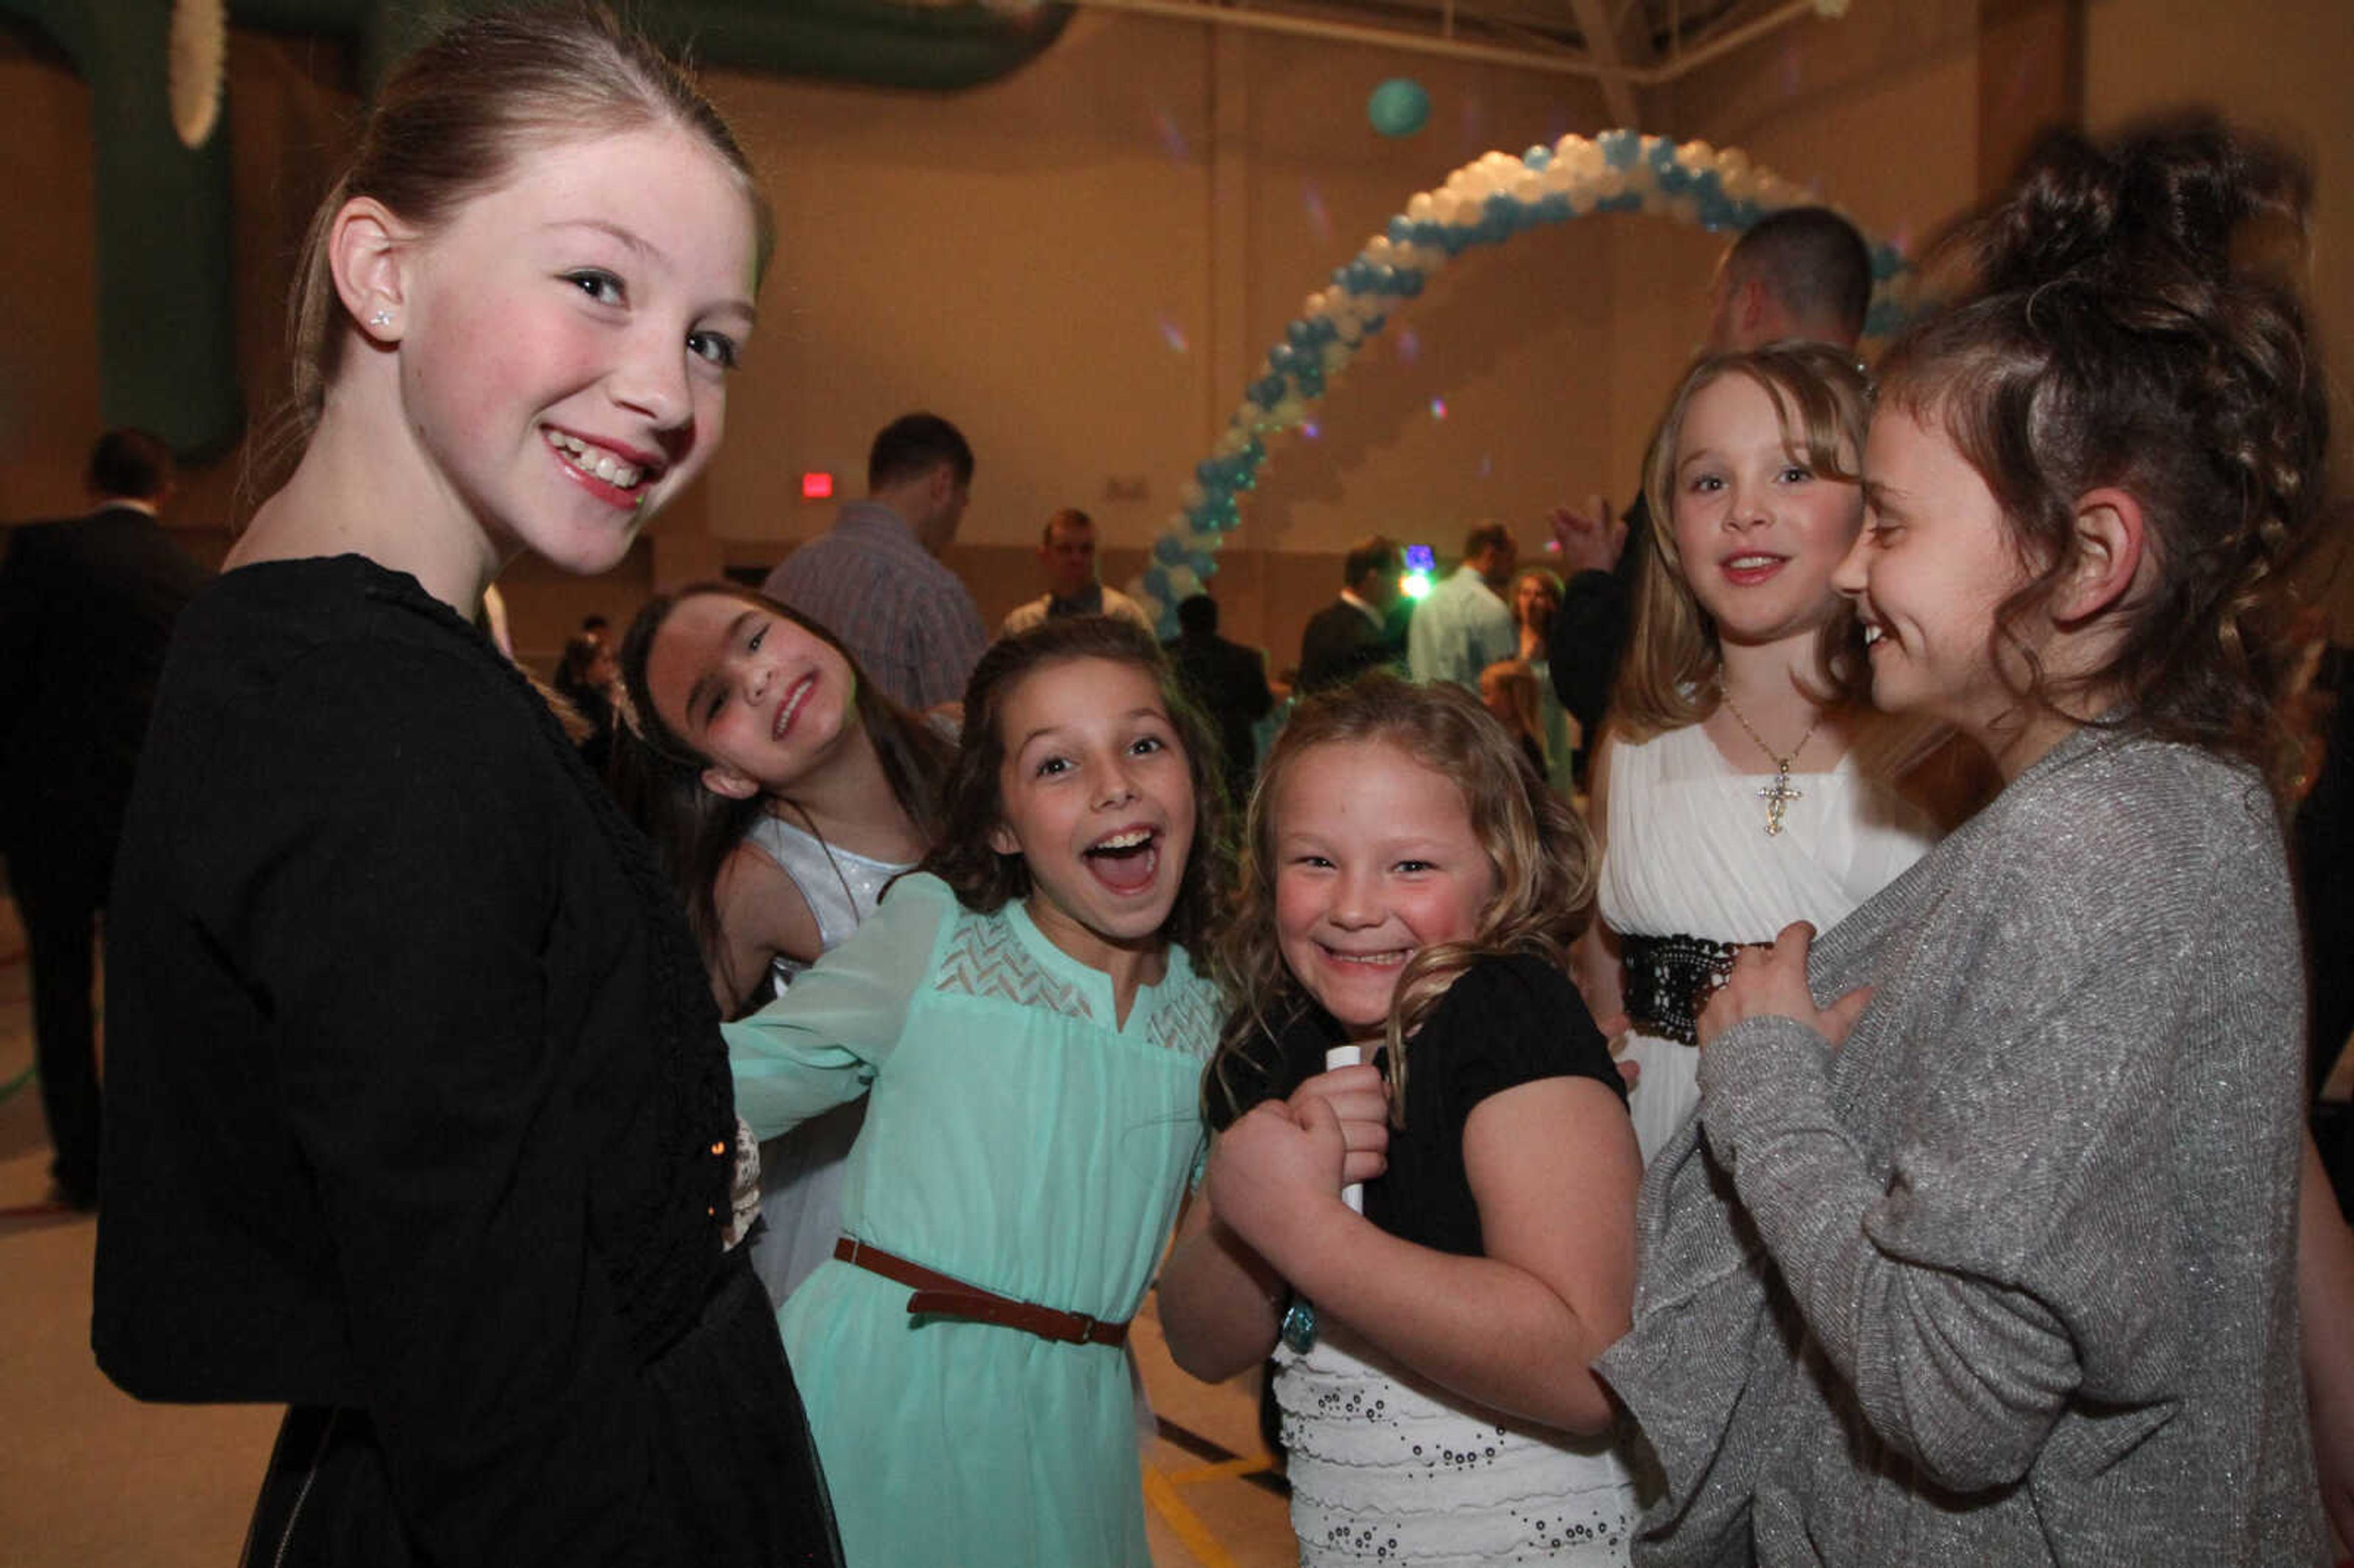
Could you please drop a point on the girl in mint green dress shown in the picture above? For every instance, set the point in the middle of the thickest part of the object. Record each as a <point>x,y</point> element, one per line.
<point>1028,1029</point>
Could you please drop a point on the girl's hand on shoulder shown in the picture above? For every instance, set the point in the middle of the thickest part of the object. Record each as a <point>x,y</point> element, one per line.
<point>1359,1099</point>
<point>1276,1173</point>
<point>1771,983</point>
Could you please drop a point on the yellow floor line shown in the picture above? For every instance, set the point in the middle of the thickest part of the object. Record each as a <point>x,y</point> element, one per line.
<point>1182,1521</point>
<point>1248,1465</point>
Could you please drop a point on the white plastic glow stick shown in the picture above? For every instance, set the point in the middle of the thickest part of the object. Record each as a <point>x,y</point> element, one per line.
<point>1353,1195</point>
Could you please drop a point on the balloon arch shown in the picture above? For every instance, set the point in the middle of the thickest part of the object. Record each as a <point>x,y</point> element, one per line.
<point>1485,202</point>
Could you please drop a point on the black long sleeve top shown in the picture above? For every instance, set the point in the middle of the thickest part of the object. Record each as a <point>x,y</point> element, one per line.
<point>417,1099</point>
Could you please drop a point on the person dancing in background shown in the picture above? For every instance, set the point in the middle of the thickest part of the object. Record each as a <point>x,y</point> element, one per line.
<point>421,1118</point>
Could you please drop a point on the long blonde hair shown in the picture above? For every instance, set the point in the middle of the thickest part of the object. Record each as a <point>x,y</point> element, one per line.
<point>1822,399</point>
<point>1542,854</point>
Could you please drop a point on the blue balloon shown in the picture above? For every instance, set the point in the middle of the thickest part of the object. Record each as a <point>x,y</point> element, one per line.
<point>1431,233</point>
<point>1400,229</point>
<point>1503,209</point>
<point>1554,207</point>
<point>1539,157</point>
<point>1203,562</point>
<point>1626,201</point>
<point>1886,263</point>
<point>1208,472</point>
<point>1299,335</point>
<point>1156,583</point>
<point>1620,148</point>
<point>1409,281</point>
<point>1168,550</point>
<point>1398,107</point>
<point>1266,391</point>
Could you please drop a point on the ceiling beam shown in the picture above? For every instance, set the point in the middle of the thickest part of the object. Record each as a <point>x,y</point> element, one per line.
<point>1592,18</point>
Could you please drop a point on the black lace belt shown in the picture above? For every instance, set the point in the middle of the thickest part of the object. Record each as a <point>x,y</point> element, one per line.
<point>1669,979</point>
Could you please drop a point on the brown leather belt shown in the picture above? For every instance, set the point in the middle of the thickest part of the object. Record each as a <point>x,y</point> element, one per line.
<point>938,1296</point>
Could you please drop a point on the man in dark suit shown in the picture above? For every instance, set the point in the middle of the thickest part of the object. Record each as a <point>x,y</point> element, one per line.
<point>86,610</point>
<point>1228,683</point>
<point>1354,634</point>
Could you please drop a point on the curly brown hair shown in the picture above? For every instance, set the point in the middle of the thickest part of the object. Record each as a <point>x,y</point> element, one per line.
<point>2118,337</point>
<point>1542,855</point>
<point>984,880</point>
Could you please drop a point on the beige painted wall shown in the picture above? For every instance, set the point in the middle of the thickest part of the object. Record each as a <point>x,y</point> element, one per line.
<point>1083,265</point>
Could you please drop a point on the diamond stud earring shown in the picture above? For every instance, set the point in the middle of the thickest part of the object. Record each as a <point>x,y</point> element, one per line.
<point>381,319</point>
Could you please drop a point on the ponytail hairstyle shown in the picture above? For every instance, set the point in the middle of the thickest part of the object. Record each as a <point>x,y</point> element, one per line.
<point>1542,856</point>
<point>1668,678</point>
<point>657,775</point>
<point>985,880</point>
<point>451,121</point>
<point>2120,334</point>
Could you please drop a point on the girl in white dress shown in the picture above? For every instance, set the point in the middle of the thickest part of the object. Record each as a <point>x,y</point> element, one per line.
<point>1410,887</point>
<point>784,793</point>
<point>1738,787</point>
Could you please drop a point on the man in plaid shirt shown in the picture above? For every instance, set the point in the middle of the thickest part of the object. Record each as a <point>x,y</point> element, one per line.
<point>874,579</point>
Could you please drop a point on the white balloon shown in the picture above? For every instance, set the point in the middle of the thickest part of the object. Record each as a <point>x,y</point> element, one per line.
<point>1421,207</point>
<point>1182,584</point>
<point>1191,493</point>
<point>1336,358</point>
<point>1528,187</point>
<point>1232,442</point>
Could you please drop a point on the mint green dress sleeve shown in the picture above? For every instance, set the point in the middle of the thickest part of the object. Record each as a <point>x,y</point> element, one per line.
<point>819,1044</point>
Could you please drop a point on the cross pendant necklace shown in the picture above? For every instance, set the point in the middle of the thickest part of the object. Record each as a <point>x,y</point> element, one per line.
<point>1778,794</point>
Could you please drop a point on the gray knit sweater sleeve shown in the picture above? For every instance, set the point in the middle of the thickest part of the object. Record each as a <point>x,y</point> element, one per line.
<point>2004,1261</point>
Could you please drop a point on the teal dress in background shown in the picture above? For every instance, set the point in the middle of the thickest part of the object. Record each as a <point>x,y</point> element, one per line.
<point>1016,1139</point>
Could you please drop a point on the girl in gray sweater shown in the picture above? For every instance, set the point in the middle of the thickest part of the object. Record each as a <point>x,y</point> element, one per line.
<point>1988,1257</point>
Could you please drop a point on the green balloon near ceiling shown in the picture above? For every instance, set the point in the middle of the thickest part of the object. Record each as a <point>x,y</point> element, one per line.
<point>1399,107</point>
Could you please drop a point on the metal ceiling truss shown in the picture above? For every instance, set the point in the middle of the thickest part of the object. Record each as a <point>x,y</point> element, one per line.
<point>1621,44</point>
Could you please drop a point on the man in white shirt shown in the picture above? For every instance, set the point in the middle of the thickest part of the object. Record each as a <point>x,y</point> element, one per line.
<point>1067,551</point>
<point>1465,625</point>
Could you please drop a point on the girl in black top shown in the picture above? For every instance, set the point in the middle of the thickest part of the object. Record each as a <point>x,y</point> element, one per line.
<point>1410,887</point>
<point>425,1123</point>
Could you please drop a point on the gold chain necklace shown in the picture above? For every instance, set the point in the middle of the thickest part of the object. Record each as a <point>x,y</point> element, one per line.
<point>1777,795</point>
